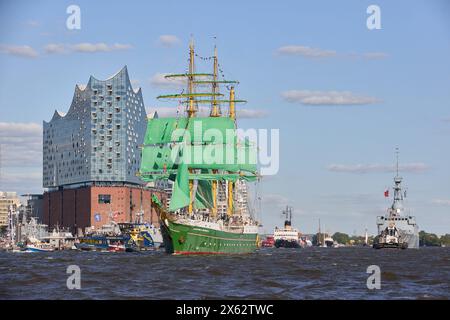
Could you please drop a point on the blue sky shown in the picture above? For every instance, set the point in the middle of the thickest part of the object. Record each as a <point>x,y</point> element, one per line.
<point>343,96</point>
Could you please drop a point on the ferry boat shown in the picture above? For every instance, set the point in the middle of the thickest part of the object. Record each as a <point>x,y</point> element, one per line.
<point>287,237</point>
<point>176,149</point>
<point>396,228</point>
<point>102,243</point>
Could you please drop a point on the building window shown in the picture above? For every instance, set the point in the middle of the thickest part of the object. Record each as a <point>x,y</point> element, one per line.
<point>104,198</point>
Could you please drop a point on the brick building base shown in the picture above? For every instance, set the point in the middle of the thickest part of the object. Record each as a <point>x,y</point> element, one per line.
<point>88,206</point>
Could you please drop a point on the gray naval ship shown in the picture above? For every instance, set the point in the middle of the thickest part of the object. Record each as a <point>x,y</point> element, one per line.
<point>396,229</point>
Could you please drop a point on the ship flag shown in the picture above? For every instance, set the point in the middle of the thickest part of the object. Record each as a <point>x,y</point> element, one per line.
<point>386,193</point>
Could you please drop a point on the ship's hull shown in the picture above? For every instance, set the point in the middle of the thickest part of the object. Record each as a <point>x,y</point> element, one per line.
<point>185,239</point>
<point>282,243</point>
<point>403,245</point>
<point>37,249</point>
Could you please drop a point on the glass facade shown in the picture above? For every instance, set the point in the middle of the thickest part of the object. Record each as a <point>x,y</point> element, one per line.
<point>99,137</point>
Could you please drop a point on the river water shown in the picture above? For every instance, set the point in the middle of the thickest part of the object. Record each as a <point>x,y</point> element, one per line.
<point>311,273</point>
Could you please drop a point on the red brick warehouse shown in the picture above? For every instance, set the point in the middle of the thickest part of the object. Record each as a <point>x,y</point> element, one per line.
<point>88,206</point>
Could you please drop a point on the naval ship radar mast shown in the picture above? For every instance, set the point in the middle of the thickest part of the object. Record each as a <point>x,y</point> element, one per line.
<point>397,205</point>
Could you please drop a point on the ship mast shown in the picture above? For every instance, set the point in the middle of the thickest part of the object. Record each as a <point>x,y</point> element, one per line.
<point>230,183</point>
<point>191,108</point>
<point>397,205</point>
<point>191,111</point>
<point>214,113</point>
<point>215,110</point>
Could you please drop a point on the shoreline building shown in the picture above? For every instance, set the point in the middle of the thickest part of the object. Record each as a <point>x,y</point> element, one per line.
<point>91,155</point>
<point>7,199</point>
<point>33,207</point>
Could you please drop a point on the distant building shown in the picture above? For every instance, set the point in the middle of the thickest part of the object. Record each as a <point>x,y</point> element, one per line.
<point>7,199</point>
<point>91,156</point>
<point>240,198</point>
<point>34,206</point>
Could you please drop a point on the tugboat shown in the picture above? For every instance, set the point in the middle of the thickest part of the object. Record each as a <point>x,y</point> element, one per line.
<point>329,242</point>
<point>395,229</point>
<point>287,237</point>
<point>390,238</point>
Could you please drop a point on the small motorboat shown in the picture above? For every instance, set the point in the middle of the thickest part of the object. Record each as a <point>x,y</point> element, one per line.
<point>38,247</point>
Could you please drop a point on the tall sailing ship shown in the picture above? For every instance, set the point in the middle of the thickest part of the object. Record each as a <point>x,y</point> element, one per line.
<point>204,158</point>
<point>397,229</point>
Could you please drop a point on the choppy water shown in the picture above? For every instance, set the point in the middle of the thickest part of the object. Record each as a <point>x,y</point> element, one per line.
<point>312,273</point>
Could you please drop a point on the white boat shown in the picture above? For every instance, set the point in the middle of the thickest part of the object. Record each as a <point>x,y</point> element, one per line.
<point>287,237</point>
<point>39,247</point>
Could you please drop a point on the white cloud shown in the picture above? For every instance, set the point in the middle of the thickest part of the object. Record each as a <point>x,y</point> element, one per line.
<point>99,47</point>
<point>250,113</point>
<point>159,80</point>
<point>441,202</point>
<point>308,52</point>
<point>168,40</point>
<point>371,168</point>
<point>318,98</point>
<point>85,47</point>
<point>21,144</point>
<point>20,51</point>
<point>20,177</point>
<point>304,51</point>
<point>55,48</point>
<point>19,129</point>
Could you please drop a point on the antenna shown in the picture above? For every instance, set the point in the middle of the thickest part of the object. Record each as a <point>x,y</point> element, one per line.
<point>396,152</point>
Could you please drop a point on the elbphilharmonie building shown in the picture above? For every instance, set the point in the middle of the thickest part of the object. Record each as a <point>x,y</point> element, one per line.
<point>91,156</point>
<point>99,137</point>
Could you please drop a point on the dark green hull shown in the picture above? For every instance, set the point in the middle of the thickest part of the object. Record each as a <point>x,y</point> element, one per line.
<point>185,239</point>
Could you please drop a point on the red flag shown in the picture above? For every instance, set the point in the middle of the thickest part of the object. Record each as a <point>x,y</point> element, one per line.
<point>386,193</point>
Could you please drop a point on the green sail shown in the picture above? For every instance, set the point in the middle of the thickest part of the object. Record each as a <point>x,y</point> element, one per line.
<point>181,194</point>
<point>203,195</point>
<point>208,143</point>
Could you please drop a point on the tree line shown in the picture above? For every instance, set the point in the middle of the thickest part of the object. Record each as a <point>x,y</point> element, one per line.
<point>425,239</point>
